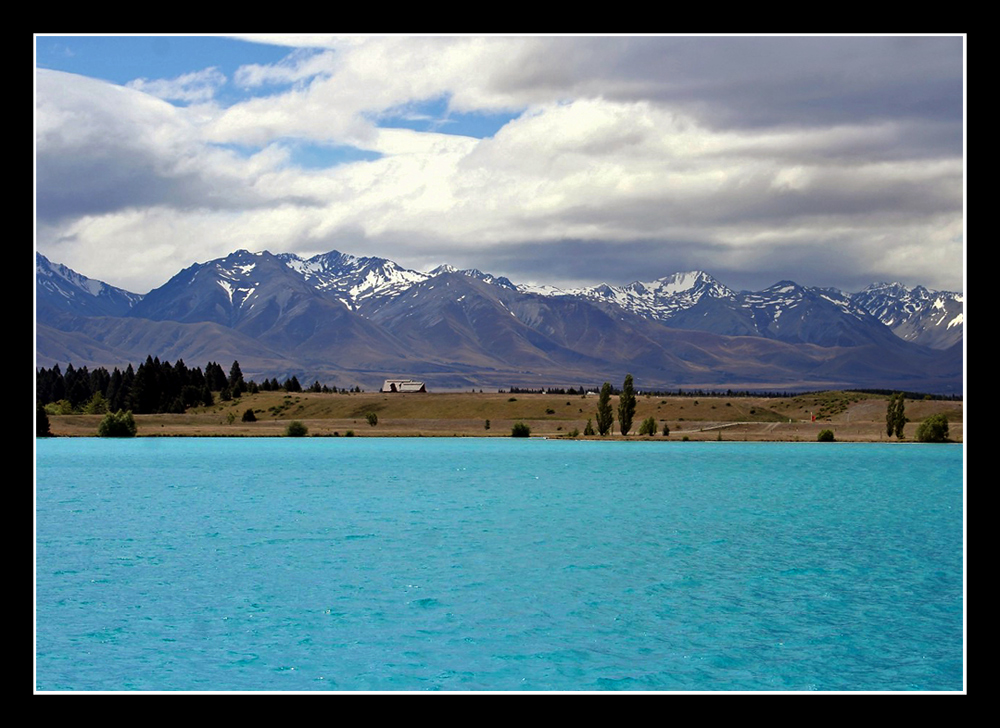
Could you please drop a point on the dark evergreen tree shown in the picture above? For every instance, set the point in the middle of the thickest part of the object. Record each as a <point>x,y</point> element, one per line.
<point>144,397</point>
<point>191,395</point>
<point>195,377</point>
<point>41,421</point>
<point>626,405</point>
<point>112,390</point>
<point>128,381</point>
<point>236,384</point>
<point>215,376</point>
<point>605,415</point>
<point>50,385</point>
<point>99,380</point>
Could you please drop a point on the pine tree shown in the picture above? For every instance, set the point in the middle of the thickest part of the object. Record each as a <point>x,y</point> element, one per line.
<point>236,384</point>
<point>626,405</point>
<point>605,415</point>
<point>41,421</point>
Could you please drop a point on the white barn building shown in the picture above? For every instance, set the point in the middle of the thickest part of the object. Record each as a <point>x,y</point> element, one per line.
<point>403,385</point>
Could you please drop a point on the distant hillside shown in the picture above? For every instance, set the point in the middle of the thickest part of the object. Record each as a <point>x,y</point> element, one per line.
<point>349,320</point>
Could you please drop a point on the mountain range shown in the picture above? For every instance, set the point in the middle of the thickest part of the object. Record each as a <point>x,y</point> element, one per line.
<point>347,320</point>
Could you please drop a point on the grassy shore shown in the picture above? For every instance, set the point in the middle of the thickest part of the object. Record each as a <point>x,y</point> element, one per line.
<point>853,416</point>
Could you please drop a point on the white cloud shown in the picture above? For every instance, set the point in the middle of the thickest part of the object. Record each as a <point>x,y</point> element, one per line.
<point>608,147</point>
<point>301,65</point>
<point>196,87</point>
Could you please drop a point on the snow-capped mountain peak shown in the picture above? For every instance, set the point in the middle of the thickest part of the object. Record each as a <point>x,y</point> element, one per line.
<point>352,279</point>
<point>659,299</point>
<point>64,289</point>
<point>918,314</point>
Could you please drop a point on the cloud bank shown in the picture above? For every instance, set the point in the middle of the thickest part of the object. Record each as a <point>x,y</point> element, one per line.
<point>829,161</point>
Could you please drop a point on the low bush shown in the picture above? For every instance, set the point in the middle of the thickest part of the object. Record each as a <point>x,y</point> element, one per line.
<point>933,429</point>
<point>117,424</point>
<point>520,430</point>
<point>296,429</point>
<point>825,436</point>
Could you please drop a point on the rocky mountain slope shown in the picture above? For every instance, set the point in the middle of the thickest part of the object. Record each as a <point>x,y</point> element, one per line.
<point>357,320</point>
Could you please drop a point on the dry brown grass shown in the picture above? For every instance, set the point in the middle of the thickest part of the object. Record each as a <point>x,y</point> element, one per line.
<point>851,416</point>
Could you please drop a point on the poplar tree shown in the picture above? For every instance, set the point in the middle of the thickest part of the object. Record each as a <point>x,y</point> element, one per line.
<point>895,416</point>
<point>605,415</point>
<point>626,405</point>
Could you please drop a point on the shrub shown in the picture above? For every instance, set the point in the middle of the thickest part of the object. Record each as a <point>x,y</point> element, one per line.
<point>249,416</point>
<point>486,426</point>
<point>520,430</point>
<point>666,429</point>
<point>296,429</point>
<point>933,429</point>
<point>372,418</point>
<point>117,424</point>
<point>97,405</point>
<point>589,429</point>
<point>648,426</point>
<point>825,436</point>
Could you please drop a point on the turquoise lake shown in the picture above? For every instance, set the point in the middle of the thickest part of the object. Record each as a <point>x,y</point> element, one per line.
<point>496,564</point>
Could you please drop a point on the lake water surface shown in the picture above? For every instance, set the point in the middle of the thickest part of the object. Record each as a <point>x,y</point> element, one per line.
<point>497,564</point>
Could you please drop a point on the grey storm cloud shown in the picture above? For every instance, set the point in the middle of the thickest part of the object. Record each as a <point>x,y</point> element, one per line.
<point>102,148</point>
<point>742,82</point>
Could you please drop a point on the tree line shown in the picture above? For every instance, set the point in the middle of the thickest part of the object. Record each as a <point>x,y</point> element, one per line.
<point>728,393</point>
<point>155,387</point>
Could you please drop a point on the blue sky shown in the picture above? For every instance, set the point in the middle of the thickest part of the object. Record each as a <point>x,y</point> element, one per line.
<point>124,59</point>
<point>831,161</point>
